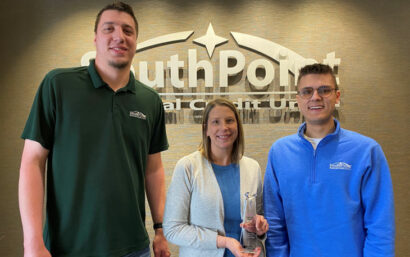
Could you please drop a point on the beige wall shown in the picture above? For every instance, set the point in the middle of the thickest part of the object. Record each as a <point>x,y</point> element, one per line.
<point>370,37</point>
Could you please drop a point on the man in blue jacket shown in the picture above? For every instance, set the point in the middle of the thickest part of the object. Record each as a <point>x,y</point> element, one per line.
<point>327,190</point>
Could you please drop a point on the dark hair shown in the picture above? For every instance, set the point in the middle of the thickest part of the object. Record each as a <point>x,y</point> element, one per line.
<point>317,68</point>
<point>119,6</point>
<point>238,145</point>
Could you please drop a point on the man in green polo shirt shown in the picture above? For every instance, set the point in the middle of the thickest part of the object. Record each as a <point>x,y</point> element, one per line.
<point>100,133</point>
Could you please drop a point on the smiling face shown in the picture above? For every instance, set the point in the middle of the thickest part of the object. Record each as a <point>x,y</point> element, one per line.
<point>318,110</point>
<point>222,129</point>
<point>115,39</point>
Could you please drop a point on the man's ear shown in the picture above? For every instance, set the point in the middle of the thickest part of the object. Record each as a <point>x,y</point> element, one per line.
<point>337,97</point>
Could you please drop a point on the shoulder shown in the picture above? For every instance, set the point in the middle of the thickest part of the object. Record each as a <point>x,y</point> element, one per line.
<point>360,140</point>
<point>148,99</point>
<point>63,76</point>
<point>251,168</point>
<point>190,160</point>
<point>190,166</point>
<point>66,72</point>
<point>249,162</point>
<point>146,90</point>
<point>57,79</point>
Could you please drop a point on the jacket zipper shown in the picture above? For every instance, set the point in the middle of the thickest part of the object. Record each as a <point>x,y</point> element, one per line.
<point>313,180</point>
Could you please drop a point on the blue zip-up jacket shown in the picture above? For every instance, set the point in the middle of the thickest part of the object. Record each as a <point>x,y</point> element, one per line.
<point>336,201</point>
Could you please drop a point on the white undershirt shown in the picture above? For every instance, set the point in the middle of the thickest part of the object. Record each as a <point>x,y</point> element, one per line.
<point>313,141</point>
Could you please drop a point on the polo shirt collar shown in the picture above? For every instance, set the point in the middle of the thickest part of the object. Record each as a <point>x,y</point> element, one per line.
<point>98,82</point>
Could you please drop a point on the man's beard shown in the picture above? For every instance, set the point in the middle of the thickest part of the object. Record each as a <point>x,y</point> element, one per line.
<point>118,65</point>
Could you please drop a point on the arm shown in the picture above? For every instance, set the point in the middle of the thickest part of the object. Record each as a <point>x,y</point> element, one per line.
<point>155,186</point>
<point>378,204</point>
<point>277,243</point>
<point>177,226</point>
<point>31,197</point>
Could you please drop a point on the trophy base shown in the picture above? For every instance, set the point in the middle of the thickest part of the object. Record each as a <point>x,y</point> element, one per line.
<point>248,250</point>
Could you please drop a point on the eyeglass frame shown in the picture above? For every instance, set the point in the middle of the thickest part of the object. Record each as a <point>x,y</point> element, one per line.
<point>320,93</point>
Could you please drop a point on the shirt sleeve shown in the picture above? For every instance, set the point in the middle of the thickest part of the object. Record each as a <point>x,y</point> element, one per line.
<point>41,121</point>
<point>277,243</point>
<point>378,205</point>
<point>177,228</point>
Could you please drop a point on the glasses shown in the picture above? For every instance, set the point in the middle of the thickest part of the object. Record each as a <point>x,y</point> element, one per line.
<point>323,91</point>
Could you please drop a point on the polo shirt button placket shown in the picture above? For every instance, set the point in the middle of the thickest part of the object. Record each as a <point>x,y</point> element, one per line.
<point>114,104</point>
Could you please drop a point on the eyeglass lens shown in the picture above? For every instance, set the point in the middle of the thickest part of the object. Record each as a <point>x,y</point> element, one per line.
<point>323,91</point>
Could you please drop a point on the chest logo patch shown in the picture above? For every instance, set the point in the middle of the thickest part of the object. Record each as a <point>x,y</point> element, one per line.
<point>340,166</point>
<point>137,114</point>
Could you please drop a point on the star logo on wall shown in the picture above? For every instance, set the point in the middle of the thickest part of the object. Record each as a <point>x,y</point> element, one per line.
<point>210,40</point>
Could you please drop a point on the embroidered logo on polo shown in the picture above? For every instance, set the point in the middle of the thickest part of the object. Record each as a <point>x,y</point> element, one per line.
<point>340,166</point>
<point>137,114</point>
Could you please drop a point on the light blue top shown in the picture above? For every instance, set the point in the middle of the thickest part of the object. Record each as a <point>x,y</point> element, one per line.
<point>229,183</point>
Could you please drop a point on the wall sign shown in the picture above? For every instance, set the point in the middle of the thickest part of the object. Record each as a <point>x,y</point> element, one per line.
<point>186,84</point>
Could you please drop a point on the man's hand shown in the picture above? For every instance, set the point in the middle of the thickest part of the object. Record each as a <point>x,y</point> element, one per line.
<point>155,188</point>
<point>258,225</point>
<point>160,244</point>
<point>36,252</point>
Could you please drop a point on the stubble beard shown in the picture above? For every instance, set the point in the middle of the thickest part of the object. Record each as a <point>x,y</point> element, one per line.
<point>321,121</point>
<point>118,65</point>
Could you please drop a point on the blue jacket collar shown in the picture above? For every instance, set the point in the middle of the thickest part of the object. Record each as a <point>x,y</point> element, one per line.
<point>302,128</point>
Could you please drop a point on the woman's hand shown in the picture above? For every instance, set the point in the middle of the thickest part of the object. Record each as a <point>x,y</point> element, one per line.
<point>235,247</point>
<point>258,225</point>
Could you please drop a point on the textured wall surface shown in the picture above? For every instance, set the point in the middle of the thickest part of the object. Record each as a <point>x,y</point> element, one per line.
<point>370,37</point>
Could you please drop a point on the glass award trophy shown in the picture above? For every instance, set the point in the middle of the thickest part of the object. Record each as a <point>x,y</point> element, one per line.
<point>249,239</point>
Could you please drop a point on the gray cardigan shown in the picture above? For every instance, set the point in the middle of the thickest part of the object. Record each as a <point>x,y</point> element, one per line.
<point>194,210</point>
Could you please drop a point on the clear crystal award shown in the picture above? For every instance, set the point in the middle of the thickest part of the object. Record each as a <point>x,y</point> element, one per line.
<point>249,239</point>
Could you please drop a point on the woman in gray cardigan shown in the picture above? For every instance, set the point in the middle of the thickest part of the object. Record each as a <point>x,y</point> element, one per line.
<point>204,203</point>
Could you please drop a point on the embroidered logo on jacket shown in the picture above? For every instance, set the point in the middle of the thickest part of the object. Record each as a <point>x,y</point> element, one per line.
<point>340,166</point>
<point>137,114</point>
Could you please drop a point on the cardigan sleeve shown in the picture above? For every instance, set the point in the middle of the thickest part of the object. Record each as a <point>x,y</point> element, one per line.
<point>177,227</point>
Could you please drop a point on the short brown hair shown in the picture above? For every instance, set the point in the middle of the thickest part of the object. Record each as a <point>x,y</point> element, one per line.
<point>317,68</point>
<point>238,145</point>
<point>119,6</point>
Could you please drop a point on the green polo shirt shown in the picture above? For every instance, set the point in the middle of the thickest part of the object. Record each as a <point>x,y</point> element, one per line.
<point>98,141</point>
